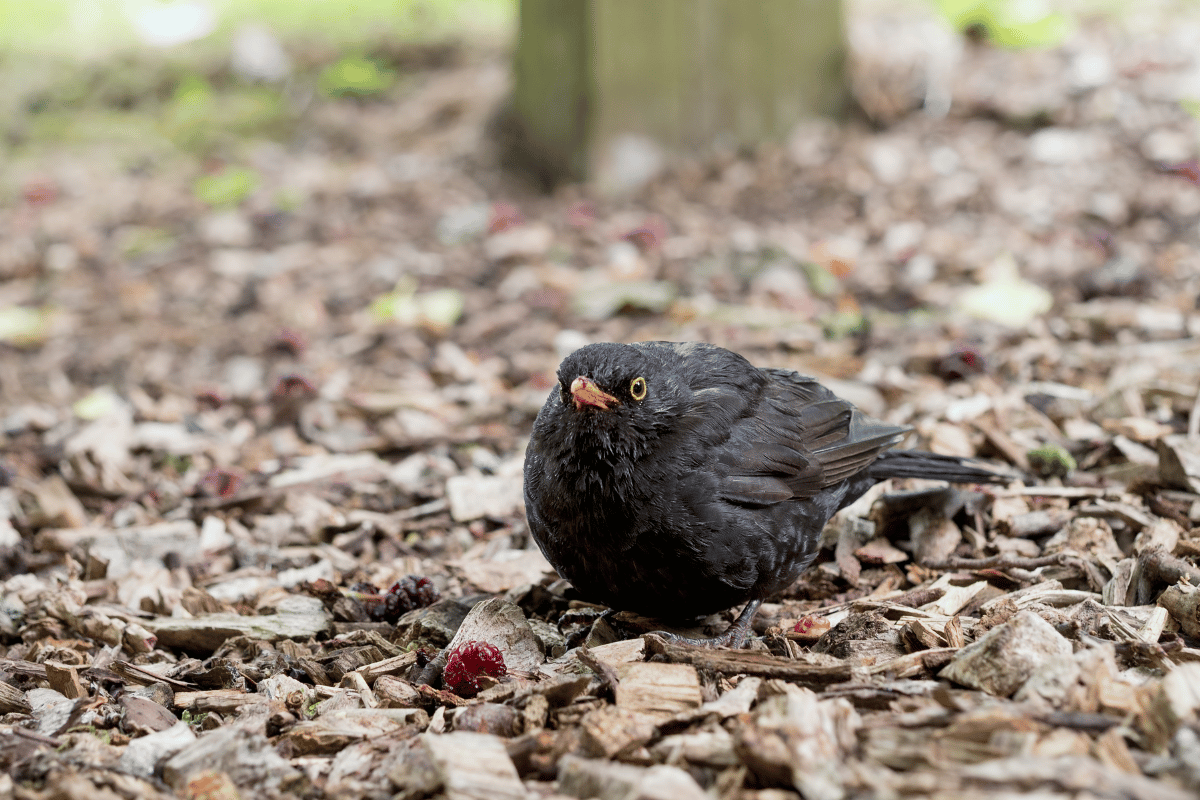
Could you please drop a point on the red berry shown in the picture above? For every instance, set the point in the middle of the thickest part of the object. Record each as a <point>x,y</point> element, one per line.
<point>470,661</point>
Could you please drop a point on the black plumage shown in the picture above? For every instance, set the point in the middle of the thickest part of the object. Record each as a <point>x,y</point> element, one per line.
<point>677,479</point>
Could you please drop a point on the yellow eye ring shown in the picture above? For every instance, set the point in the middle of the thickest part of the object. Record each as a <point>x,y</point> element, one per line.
<point>637,389</point>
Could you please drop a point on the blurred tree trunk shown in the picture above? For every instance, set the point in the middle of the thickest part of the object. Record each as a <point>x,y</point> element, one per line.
<point>603,86</point>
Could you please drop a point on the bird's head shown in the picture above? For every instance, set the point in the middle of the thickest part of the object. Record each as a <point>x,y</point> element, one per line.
<point>618,395</point>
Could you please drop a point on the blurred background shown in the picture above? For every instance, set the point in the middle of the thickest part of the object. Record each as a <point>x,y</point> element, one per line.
<point>417,207</point>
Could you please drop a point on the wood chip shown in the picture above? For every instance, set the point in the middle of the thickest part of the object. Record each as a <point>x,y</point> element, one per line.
<point>203,635</point>
<point>1005,657</point>
<point>474,766</point>
<point>1183,602</point>
<point>658,690</point>
<point>593,778</point>
<point>64,679</point>
<point>1179,462</point>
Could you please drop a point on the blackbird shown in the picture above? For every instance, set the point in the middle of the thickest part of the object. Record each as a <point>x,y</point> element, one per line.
<point>675,479</point>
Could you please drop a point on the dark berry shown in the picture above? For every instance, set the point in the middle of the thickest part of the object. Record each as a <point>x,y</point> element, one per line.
<point>222,483</point>
<point>406,594</point>
<point>289,343</point>
<point>209,399</point>
<point>290,395</point>
<point>468,663</point>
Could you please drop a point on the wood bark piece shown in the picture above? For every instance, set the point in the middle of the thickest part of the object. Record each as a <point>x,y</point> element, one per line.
<point>608,731</point>
<point>1179,462</point>
<point>618,654</point>
<point>504,570</point>
<point>604,780</point>
<point>142,755</point>
<point>934,537</point>
<point>658,690</point>
<point>12,700</point>
<point>764,665</point>
<point>145,716</point>
<point>1035,523</point>
<point>818,672</point>
<point>203,635</point>
<point>1007,655</point>
<point>65,680</point>
<point>797,739</point>
<point>1073,774</point>
<point>140,676</point>
<point>1158,564</point>
<point>474,766</point>
<point>498,720</point>
<point>496,496</point>
<point>122,547</point>
<point>222,701</point>
<point>331,733</point>
<point>711,748</point>
<point>1112,751</point>
<point>1160,533</point>
<point>247,757</point>
<point>392,692</point>
<point>1183,602</point>
<point>737,700</point>
<point>1051,680</point>
<point>955,598</point>
<point>57,504</point>
<point>1176,702</point>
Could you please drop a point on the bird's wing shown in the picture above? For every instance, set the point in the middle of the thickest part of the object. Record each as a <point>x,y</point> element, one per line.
<point>798,439</point>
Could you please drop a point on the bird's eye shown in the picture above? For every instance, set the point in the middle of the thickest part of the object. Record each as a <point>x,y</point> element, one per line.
<point>637,389</point>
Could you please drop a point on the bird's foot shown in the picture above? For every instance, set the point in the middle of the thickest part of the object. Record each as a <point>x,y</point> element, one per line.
<point>734,636</point>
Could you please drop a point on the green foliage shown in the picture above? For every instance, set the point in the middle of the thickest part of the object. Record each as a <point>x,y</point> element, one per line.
<point>437,309</point>
<point>193,719</point>
<point>189,111</point>
<point>821,281</point>
<point>845,321</point>
<point>93,29</point>
<point>226,188</point>
<point>355,76</point>
<point>103,735</point>
<point>1051,461</point>
<point>1014,24</point>
<point>199,119</point>
<point>140,241</point>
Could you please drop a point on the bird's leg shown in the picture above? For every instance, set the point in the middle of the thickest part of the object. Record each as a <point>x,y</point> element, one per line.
<point>734,636</point>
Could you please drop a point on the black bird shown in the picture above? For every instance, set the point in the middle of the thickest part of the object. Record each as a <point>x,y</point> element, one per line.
<point>677,479</point>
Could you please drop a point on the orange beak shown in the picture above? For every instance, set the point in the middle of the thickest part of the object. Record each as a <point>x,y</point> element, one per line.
<point>586,393</point>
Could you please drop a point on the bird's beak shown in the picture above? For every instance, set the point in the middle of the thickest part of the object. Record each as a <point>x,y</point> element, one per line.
<point>586,393</point>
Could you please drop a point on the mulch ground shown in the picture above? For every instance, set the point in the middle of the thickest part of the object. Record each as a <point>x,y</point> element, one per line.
<point>262,465</point>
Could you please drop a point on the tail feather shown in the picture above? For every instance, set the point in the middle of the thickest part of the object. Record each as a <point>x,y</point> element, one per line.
<point>922,464</point>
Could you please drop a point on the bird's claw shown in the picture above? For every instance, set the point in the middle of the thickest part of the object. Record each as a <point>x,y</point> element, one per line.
<point>734,636</point>
<point>729,638</point>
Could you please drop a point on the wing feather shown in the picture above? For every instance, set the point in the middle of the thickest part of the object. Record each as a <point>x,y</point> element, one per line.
<point>798,440</point>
